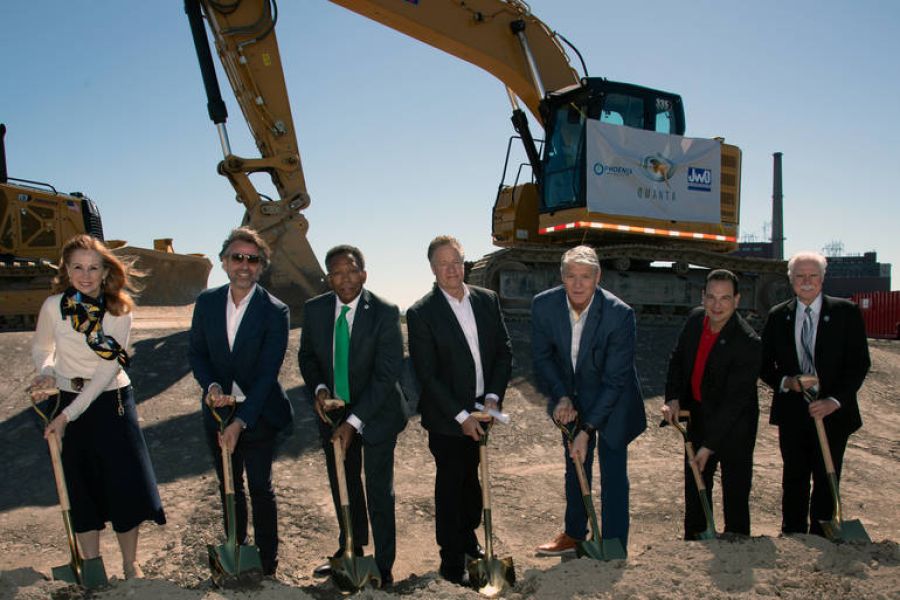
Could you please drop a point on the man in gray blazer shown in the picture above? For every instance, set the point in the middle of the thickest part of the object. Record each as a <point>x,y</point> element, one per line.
<point>373,413</point>
<point>583,348</point>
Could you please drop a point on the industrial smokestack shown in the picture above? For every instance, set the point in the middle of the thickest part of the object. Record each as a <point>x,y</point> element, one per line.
<point>777,211</point>
<point>3,174</point>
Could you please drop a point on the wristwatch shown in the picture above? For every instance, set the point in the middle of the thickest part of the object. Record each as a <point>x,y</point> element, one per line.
<point>588,428</point>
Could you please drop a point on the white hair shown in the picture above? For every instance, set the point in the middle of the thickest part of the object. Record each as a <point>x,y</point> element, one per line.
<point>582,255</point>
<point>807,256</point>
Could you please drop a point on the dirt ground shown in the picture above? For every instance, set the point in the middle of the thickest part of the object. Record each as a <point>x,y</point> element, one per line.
<point>527,489</point>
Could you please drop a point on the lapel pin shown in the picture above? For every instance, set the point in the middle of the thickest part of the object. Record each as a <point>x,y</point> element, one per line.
<point>826,318</point>
<point>365,307</point>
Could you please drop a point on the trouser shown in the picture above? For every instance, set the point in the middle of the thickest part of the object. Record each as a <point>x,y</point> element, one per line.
<point>252,456</point>
<point>457,497</point>
<point>737,476</point>
<point>613,491</point>
<point>378,462</point>
<point>802,457</point>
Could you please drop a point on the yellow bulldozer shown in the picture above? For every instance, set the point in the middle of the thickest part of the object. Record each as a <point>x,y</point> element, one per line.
<point>36,220</point>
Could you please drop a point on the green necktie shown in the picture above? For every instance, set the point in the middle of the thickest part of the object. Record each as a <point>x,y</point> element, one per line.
<point>342,356</point>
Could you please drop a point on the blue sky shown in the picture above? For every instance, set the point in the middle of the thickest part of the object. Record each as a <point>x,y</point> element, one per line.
<point>401,142</point>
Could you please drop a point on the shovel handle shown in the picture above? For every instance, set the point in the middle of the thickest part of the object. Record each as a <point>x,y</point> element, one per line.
<point>58,473</point>
<point>698,477</point>
<point>826,448</point>
<point>227,475</point>
<point>341,473</point>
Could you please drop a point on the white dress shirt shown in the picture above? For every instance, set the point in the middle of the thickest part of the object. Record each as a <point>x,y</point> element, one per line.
<point>234,314</point>
<point>799,317</point>
<point>576,320</point>
<point>465,316</point>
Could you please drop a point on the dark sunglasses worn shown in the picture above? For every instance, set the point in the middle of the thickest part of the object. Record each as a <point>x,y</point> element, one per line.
<point>250,258</point>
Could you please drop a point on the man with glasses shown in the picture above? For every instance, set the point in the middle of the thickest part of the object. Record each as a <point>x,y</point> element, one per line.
<point>351,349</point>
<point>812,334</point>
<point>712,373</point>
<point>238,338</point>
<point>462,355</point>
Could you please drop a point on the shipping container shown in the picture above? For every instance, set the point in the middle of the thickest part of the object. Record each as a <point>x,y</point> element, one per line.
<point>881,312</point>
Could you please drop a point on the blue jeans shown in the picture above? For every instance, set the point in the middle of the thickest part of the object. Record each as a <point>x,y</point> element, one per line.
<point>613,491</point>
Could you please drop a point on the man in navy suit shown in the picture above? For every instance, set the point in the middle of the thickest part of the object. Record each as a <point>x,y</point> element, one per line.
<point>837,352</point>
<point>583,349</point>
<point>373,406</point>
<point>238,338</point>
<point>462,355</point>
<point>712,373</point>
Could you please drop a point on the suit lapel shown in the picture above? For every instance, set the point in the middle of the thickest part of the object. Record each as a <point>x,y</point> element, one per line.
<point>450,317</point>
<point>790,334</point>
<point>251,319</point>
<point>591,323</point>
<point>823,327</point>
<point>362,328</point>
<point>219,319</point>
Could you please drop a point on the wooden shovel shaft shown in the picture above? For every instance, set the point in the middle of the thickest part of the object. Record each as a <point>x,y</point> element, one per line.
<point>486,500</point>
<point>698,477</point>
<point>829,468</point>
<point>58,473</point>
<point>342,493</point>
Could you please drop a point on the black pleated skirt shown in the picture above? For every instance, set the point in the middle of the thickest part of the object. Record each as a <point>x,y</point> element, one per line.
<point>108,471</point>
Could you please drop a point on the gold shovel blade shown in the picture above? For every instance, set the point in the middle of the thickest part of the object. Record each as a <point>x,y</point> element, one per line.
<point>490,576</point>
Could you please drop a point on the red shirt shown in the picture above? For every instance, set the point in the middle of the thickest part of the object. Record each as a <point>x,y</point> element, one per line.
<point>707,341</point>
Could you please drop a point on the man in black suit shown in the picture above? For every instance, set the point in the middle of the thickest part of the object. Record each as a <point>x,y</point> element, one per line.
<point>238,339</point>
<point>373,406</point>
<point>812,334</point>
<point>712,373</point>
<point>462,355</point>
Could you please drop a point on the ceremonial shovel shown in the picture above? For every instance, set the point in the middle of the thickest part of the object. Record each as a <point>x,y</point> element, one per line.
<point>836,530</point>
<point>710,532</point>
<point>489,575</point>
<point>88,572</point>
<point>232,564</point>
<point>349,572</point>
<point>596,547</point>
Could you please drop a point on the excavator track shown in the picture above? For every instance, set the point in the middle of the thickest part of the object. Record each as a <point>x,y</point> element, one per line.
<point>629,271</point>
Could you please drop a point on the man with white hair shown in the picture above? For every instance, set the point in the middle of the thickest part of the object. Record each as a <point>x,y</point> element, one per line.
<point>812,334</point>
<point>583,348</point>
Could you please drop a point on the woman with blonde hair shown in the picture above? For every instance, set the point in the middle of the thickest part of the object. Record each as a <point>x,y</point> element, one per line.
<point>79,347</point>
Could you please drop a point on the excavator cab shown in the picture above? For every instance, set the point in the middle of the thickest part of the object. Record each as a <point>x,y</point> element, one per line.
<point>566,114</point>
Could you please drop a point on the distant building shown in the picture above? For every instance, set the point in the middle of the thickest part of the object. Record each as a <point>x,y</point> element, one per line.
<point>847,275</point>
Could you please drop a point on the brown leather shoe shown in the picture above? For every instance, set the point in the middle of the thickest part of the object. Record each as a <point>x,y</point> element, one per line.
<point>561,545</point>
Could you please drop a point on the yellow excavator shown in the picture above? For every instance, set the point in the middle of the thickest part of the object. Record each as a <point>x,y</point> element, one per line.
<point>36,220</point>
<point>614,169</point>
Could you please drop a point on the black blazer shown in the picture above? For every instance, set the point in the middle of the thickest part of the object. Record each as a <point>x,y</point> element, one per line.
<point>842,361</point>
<point>443,362</point>
<point>728,416</point>
<point>253,363</point>
<point>376,357</point>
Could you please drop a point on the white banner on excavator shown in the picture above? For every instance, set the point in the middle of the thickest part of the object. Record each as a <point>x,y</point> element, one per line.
<point>652,175</point>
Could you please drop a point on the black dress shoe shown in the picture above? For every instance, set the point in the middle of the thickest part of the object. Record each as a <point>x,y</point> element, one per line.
<point>387,580</point>
<point>475,553</point>
<point>324,570</point>
<point>454,575</point>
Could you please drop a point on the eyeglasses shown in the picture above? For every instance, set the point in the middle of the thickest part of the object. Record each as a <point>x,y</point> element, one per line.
<point>252,259</point>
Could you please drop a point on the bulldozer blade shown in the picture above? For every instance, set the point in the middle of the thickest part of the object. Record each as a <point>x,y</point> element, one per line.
<point>234,566</point>
<point>491,575</point>
<point>604,549</point>
<point>845,531</point>
<point>353,573</point>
